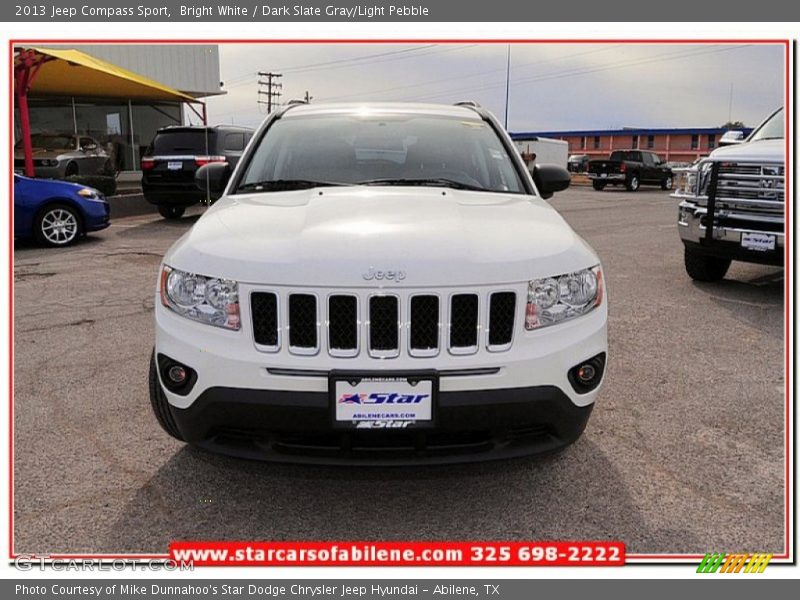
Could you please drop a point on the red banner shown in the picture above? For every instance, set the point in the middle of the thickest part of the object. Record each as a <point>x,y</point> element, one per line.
<point>398,554</point>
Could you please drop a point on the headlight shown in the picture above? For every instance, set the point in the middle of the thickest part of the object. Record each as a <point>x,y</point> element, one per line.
<point>89,194</point>
<point>205,299</point>
<point>696,180</point>
<point>690,182</point>
<point>557,299</point>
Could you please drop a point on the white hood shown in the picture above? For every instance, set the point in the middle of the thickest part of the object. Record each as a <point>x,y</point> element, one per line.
<point>760,151</point>
<point>332,236</point>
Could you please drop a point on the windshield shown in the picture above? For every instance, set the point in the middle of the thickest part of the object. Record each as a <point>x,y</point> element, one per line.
<point>381,150</point>
<point>772,129</point>
<point>51,142</point>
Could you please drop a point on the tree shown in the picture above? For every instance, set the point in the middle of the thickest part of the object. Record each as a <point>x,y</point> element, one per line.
<point>734,125</point>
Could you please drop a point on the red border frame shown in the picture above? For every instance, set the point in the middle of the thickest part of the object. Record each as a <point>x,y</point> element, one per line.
<point>785,555</point>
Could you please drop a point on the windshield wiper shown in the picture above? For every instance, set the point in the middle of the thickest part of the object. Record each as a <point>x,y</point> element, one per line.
<point>280,185</point>
<point>430,181</point>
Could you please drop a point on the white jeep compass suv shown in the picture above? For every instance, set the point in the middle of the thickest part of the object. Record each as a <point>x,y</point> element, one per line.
<point>379,284</point>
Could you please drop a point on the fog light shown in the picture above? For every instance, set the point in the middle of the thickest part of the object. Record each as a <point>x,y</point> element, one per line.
<point>176,377</point>
<point>587,375</point>
<point>177,374</point>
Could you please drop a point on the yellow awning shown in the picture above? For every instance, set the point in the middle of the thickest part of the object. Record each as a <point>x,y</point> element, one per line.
<point>74,73</point>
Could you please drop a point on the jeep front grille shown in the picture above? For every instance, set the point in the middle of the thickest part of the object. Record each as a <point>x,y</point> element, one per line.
<point>420,324</point>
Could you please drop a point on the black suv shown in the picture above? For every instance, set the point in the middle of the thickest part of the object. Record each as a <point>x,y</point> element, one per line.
<point>171,159</point>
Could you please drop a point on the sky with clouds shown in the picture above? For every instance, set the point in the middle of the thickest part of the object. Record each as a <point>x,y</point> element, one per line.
<point>552,86</point>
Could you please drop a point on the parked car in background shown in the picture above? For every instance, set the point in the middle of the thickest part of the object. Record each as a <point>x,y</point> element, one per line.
<point>60,155</point>
<point>577,163</point>
<point>631,168</point>
<point>175,154</point>
<point>733,204</point>
<point>56,213</point>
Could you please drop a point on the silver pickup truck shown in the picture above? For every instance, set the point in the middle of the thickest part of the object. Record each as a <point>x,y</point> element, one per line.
<point>732,203</point>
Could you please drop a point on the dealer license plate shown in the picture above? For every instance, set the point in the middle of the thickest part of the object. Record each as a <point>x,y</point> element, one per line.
<point>382,401</point>
<point>760,242</point>
<point>174,165</point>
<point>602,175</point>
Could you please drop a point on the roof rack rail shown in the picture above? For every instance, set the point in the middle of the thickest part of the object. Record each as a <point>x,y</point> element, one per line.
<point>470,103</point>
<point>294,101</point>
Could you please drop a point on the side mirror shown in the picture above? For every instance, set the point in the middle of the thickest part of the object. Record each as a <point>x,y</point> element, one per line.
<point>212,178</point>
<point>729,138</point>
<point>550,179</point>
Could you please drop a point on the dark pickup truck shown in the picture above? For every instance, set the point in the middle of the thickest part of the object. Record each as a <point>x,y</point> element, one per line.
<point>630,168</point>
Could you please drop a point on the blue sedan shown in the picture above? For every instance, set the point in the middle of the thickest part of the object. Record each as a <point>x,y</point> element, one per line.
<point>55,213</point>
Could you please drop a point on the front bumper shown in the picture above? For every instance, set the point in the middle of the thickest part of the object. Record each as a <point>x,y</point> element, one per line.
<point>726,241</point>
<point>96,215</point>
<point>276,405</point>
<point>295,427</point>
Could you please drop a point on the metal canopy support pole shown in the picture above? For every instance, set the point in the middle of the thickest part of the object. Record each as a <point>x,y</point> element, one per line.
<point>74,118</point>
<point>201,114</point>
<point>25,124</point>
<point>132,136</point>
<point>25,70</point>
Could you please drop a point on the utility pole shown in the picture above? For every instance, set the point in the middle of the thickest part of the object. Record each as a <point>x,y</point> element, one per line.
<point>268,86</point>
<point>508,85</point>
<point>308,98</point>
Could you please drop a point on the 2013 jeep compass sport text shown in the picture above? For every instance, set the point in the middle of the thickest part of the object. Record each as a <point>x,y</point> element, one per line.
<point>379,284</point>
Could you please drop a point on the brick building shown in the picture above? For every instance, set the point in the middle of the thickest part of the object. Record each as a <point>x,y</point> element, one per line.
<point>680,145</point>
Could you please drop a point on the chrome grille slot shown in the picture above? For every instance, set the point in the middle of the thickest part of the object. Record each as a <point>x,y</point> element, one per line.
<point>464,323</point>
<point>502,307</point>
<point>343,325</point>
<point>424,325</point>
<point>384,326</point>
<point>303,324</point>
<point>264,310</point>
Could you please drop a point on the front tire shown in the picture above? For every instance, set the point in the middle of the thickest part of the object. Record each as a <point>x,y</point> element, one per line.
<point>704,267</point>
<point>71,170</point>
<point>632,184</point>
<point>171,212</point>
<point>598,185</point>
<point>57,225</point>
<point>158,401</point>
<point>666,183</point>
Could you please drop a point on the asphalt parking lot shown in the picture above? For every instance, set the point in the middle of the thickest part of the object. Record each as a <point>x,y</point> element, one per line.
<point>684,451</point>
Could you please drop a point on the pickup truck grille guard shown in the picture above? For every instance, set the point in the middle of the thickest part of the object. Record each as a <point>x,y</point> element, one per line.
<point>740,196</point>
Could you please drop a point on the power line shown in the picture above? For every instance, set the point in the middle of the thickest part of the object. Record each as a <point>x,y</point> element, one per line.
<point>517,67</point>
<point>358,62</point>
<point>577,72</point>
